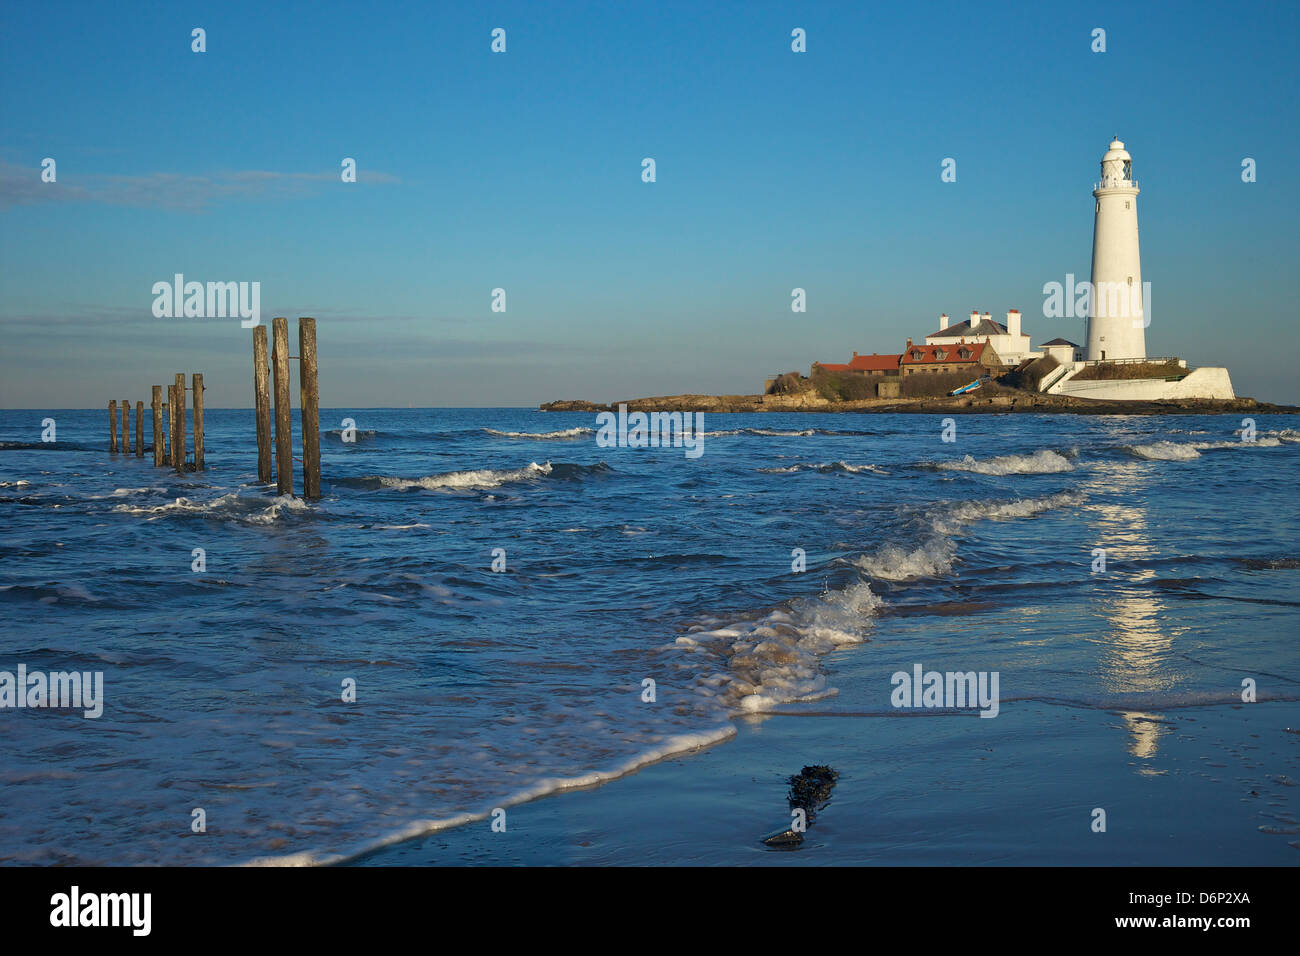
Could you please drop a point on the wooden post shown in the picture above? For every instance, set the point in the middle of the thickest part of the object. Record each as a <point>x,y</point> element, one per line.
<point>262,405</point>
<point>157,427</point>
<point>126,425</point>
<point>139,429</point>
<point>171,425</point>
<point>309,403</point>
<point>178,437</point>
<point>112,426</point>
<point>197,379</point>
<point>283,435</point>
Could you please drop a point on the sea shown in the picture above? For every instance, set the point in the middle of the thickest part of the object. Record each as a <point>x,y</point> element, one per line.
<point>487,608</point>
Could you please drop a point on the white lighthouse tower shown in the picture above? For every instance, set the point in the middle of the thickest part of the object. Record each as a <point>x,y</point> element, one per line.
<point>1116,314</point>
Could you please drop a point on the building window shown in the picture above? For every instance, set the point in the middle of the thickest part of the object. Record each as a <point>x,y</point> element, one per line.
<point>1125,203</point>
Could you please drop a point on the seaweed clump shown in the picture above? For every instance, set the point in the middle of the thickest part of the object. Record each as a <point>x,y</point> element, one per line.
<point>810,791</point>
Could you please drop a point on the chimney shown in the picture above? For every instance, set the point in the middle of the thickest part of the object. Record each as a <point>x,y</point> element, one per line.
<point>1013,322</point>
<point>974,318</point>
<point>987,317</point>
<point>855,353</point>
<point>943,321</point>
<point>909,343</point>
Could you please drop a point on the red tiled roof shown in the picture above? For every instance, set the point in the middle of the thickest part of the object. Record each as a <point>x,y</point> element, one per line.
<point>925,354</point>
<point>832,368</point>
<point>873,362</point>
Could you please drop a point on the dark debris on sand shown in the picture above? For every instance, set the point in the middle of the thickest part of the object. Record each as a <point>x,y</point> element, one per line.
<point>810,791</point>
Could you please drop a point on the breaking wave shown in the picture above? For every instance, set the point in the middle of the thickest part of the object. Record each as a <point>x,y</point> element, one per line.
<point>1164,451</point>
<point>245,509</point>
<point>1042,462</point>
<point>937,552</point>
<point>478,479</point>
<point>562,434</point>
<point>825,468</point>
<point>773,658</point>
<point>1186,451</point>
<point>766,432</point>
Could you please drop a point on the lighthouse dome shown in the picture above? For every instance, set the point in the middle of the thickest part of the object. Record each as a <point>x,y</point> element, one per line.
<point>1116,151</point>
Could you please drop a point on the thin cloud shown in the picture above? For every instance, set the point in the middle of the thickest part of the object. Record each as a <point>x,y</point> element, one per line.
<point>22,186</point>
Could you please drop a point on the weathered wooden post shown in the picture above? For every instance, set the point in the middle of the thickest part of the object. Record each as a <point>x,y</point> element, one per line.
<point>112,425</point>
<point>261,405</point>
<point>309,402</point>
<point>283,436</point>
<point>197,379</point>
<point>126,424</point>
<point>139,429</point>
<point>171,425</point>
<point>157,427</point>
<point>178,437</point>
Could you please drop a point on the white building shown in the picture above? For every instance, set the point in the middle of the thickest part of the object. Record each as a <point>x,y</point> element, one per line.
<point>1117,316</point>
<point>1063,350</point>
<point>1007,340</point>
<point>1116,319</point>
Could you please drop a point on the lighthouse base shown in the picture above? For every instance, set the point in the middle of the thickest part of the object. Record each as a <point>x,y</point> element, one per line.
<point>1204,382</point>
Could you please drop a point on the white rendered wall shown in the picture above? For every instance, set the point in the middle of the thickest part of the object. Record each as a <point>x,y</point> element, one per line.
<point>1115,259</point>
<point>1205,382</point>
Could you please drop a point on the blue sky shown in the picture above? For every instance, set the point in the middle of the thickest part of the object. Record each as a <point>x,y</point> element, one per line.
<point>522,171</point>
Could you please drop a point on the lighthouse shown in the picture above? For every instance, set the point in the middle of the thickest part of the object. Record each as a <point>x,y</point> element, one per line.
<point>1116,313</point>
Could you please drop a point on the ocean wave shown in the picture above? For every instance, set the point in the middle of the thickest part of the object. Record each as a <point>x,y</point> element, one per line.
<point>47,446</point>
<point>765,432</point>
<point>1186,451</point>
<point>1042,462</point>
<point>825,468</point>
<point>894,563</point>
<point>951,518</point>
<point>357,434</point>
<point>242,508</point>
<point>478,479</point>
<point>669,746</point>
<point>1270,564</point>
<point>564,433</point>
<point>773,658</point>
<point>936,553</point>
<point>1164,451</point>
<point>51,593</point>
